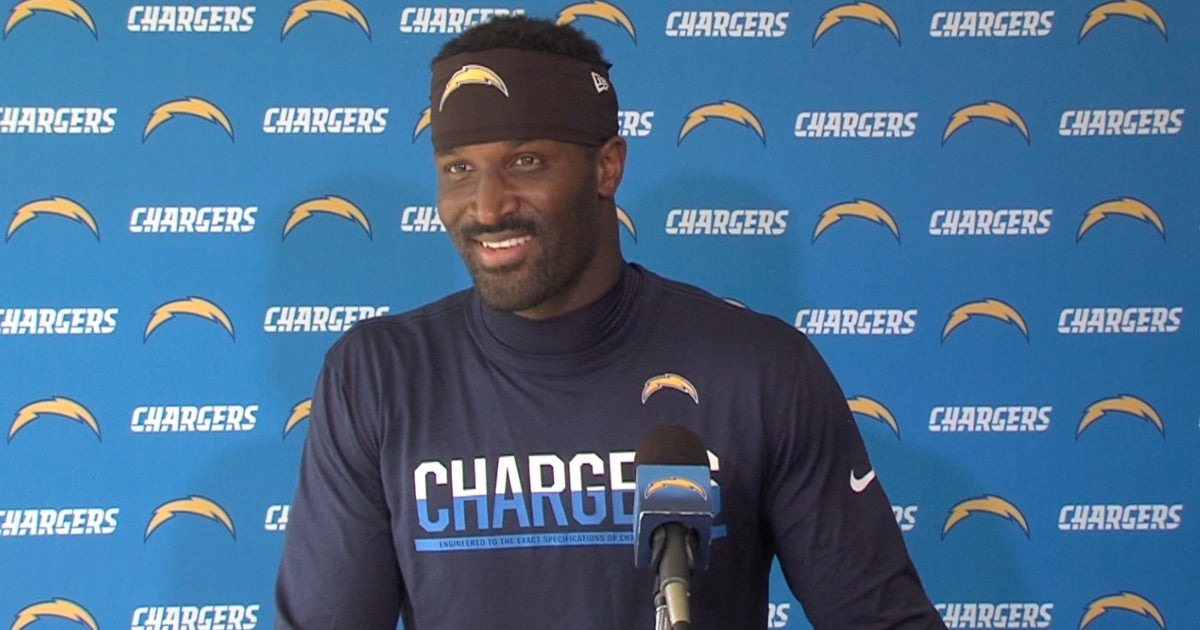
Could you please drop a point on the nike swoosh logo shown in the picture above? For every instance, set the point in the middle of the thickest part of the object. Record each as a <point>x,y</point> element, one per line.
<point>858,484</point>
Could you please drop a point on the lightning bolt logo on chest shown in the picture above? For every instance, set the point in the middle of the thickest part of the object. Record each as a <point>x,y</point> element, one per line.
<point>668,380</point>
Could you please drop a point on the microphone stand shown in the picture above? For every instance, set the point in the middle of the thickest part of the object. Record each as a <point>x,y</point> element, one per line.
<point>671,611</point>
<point>661,622</point>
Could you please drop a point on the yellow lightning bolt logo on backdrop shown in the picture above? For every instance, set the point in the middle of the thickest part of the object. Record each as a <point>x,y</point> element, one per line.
<point>874,409</point>
<point>623,219</point>
<point>1124,600</point>
<point>60,206</point>
<point>1125,206</point>
<point>727,110</point>
<point>472,74</point>
<point>340,8</point>
<point>302,410</point>
<point>1125,403</point>
<point>669,381</point>
<point>66,8</point>
<point>57,607</point>
<point>422,122</point>
<point>989,110</point>
<point>860,208</point>
<point>190,106</point>
<point>192,305</point>
<point>329,204</point>
<point>987,504</point>
<point>597,9</point>
<point>988,308</point>
<point>858,11</point>
<point>57,406</point>
<point>1127,8</point>
<point>675,482</point>
<point>193,504</point>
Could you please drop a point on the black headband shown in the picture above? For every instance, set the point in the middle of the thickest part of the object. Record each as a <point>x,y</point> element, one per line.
<point>508,94</point>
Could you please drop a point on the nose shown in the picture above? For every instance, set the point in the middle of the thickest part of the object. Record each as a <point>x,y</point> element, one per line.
<point>494,197</point>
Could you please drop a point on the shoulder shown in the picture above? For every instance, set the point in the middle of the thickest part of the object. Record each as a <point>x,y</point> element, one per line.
<point>388,336</point>
<point>696,311</point>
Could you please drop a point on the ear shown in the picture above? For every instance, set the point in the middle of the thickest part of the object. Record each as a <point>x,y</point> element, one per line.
<point>610,166</point>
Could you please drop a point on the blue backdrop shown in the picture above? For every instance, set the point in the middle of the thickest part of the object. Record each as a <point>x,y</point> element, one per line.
<point>986,215</point>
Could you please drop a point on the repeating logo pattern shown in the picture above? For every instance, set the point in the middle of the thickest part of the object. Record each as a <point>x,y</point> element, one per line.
<point>57,406</point>
<point>55,608</point>
<point>193,504</point>
<point>987,504</point>
<point>864,11</point>
<point>988,110</point>
<point>190,106</point>
<point>337,8</point>
<point>66,8</point>
<point>980,215</point>
<point>60,206</point>
<point>193,306</point>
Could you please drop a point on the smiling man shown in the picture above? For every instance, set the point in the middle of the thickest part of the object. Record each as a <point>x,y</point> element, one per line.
<point>527,175</point>
<point>528,218</point>
<point>469,464</point>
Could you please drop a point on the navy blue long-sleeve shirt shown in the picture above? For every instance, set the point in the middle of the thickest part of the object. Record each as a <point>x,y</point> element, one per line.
<point>466,468</point>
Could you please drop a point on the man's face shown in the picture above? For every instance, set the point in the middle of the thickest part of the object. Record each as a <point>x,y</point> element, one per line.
<point>531,222</point>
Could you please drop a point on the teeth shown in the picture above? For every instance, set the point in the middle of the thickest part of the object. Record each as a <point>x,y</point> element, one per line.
<point>506,243</point>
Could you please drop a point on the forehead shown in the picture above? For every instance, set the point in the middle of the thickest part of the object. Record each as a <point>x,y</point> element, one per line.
<point>505,147</point>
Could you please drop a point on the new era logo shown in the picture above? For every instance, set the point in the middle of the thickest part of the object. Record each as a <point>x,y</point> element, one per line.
<point>600,82</point>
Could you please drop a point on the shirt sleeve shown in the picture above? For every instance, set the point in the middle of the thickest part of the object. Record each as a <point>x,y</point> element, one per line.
<point>338,568</point>
<point>833,528</point>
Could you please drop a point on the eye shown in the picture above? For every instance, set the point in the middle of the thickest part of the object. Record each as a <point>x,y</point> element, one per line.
<point>455,168</point>
<point>527,160</point>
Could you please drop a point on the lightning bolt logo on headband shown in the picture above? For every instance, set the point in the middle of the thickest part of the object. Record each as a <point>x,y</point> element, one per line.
<point>860,208</point>
<point>1125,206</point>
<point>193,504</point>
<point>987,308</point>
<point>59,206</point>
<point>57,406</point>
<point>987,504</point>
<point>66,8</point>
<point>472,74</point>
<point>339,8</point>
<point>190,106</point>
<point>195,306</point>
<point>874,409</point>
<point>1125,403</point>
<point>597,9</point>
<point>989,110</point>
<point>624,219</point>
<point>300,412</point>
<point>329,204</point>
<point>727,110</point>
<point>1124,600</point>
<point>669,381</point>
<point>1135,9</point>
<point>57,607</point>
<point>864,11</point>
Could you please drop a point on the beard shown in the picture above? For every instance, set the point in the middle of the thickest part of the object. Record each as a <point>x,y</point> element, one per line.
<point>518,287</point>
<point>559,257</point>
<point>512,290</point>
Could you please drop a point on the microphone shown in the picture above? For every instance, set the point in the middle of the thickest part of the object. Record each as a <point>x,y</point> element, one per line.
<point>673,513</point>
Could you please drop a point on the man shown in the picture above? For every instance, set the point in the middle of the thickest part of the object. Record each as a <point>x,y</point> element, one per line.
<point>469,464</point>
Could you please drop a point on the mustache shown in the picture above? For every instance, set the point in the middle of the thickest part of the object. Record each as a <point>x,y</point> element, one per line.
<point>508,223</point>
